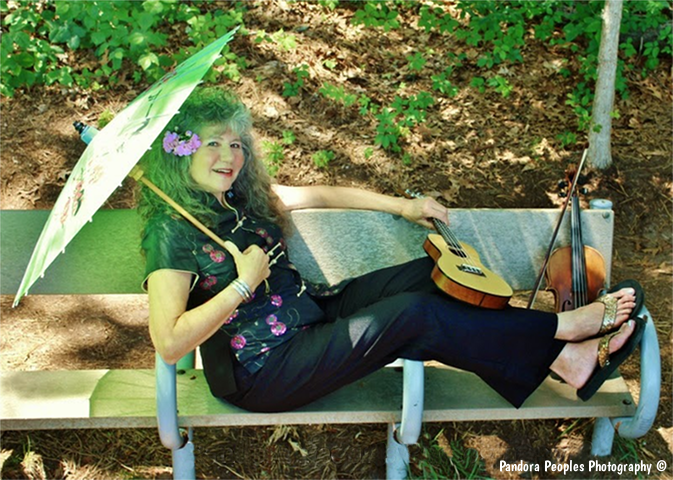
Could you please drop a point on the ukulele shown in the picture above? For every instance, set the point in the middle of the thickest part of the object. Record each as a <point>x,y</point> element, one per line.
<point>459,272</point>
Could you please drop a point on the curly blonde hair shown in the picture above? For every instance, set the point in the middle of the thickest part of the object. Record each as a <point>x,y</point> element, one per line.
<point>207,106</point>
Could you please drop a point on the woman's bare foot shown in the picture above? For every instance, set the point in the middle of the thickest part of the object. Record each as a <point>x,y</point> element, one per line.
<point>577,361</point>
<point>585,322</point>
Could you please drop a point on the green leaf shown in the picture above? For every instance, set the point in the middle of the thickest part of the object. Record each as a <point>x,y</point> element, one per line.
<point>98,37</point>
<point>145,20</point>
<point>22,40</point>
<point>73,42</point>
<point>154,7</point>
<point>61,75</point>
<point>147,60</point>
<point>25,78</point>
<point>136,39</point>
<point>24,60</point>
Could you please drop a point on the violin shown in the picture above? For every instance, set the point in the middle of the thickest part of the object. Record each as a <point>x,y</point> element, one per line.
<point>576,273</point>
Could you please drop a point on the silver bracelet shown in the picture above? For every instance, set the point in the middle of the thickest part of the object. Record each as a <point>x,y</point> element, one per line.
<point>243,289</point>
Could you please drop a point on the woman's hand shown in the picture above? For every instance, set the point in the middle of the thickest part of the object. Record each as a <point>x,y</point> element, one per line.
<point>176,331</point>
<point>252,264</point>
<point>421,210</point>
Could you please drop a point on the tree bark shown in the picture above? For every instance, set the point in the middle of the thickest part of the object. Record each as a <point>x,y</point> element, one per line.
<point>600,155</point>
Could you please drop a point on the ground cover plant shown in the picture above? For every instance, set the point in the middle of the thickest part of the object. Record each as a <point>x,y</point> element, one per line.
<point>480,104</point>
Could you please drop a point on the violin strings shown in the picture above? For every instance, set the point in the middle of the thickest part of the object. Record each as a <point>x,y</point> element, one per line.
<point>577,279</point>
<point>583,270</point>
<point>579,264</point>
<point>577,287</point>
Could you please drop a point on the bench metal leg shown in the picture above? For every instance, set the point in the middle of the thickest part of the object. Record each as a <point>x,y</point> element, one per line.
<point>407,432</point>
<point>603,436</point>
<point>397,456</point>
<point>171,435</point>
<point>412,402</point>
<point>183,461</point>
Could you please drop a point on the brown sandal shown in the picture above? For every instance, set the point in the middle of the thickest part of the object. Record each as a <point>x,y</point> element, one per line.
<point>610,302</point>
<point>609,315</point>
<point>607,363</point>
<point>604,349</point>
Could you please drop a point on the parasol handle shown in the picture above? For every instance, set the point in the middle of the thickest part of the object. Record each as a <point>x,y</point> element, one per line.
<point>139,176</point>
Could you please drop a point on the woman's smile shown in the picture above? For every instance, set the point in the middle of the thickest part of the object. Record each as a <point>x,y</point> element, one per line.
<point>224,172</point>
<point>217,163</point>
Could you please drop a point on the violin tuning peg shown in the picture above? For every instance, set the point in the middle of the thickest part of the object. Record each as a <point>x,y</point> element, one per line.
<point>562,184</point>
<point>563,194</point>
<point>584,190</point>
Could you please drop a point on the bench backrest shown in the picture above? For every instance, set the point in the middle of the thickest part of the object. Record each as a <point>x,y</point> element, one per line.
<point>327,245</point>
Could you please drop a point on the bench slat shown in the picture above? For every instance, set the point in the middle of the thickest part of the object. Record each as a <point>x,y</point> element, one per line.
<point>125,399</point>
<point>511,242</point>
<point>105,258</point>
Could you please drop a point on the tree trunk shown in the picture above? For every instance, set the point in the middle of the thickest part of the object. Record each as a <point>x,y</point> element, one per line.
<point>599,154</point>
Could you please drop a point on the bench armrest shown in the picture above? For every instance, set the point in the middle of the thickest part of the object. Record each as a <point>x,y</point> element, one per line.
<point>650,385</point>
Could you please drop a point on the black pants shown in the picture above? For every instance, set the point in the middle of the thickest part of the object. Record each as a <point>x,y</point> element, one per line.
<point>394,313</point>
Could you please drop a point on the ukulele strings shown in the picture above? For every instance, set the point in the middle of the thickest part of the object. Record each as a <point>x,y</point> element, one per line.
<point>453,242</point>
<point>448,236</point>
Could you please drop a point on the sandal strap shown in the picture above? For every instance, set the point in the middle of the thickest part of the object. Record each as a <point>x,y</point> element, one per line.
<point>610,313</point>
<point>604,350</point>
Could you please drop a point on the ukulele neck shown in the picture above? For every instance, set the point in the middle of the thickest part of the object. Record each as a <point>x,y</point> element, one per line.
<point>446,233</point>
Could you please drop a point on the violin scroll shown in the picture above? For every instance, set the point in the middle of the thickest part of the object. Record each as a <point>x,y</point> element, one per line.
<point>565,184</point>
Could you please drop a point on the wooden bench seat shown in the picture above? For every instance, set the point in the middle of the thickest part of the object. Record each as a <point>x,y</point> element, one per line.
<point>326,246</point>
<point>41,400</point>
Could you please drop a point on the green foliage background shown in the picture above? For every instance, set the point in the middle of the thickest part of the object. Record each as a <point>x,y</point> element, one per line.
<point>95,45</point>
<point>40,38</point>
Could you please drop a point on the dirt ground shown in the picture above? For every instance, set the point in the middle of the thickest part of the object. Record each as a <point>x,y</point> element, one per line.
<point>477,150</point>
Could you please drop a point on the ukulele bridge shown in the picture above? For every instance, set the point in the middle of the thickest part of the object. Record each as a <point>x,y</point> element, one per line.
<point>472,269</point>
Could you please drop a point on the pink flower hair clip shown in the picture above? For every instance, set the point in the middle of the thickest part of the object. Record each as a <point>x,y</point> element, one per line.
<point>181,145</point>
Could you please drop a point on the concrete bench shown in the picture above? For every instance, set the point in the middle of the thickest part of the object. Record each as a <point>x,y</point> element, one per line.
<point>328,245</point>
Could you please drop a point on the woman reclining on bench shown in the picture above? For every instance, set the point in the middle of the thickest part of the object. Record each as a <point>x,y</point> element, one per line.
<point>272,342</point>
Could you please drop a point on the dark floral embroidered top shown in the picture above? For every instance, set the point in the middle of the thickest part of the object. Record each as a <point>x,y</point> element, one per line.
<point>280,306</point>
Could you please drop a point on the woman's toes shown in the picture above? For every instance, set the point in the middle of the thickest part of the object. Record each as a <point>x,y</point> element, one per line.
<point>625,308</point>
<point>626,302</point>
<point>583,358</point>
<point>591,320</point>
<point>622,336</point>
<point>624,295</point>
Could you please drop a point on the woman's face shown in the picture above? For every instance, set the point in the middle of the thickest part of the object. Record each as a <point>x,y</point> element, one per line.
<point>218,161</point>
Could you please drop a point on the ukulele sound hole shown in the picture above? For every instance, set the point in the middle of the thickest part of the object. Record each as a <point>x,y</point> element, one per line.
<point>474,270</point>
<point>458,252</point>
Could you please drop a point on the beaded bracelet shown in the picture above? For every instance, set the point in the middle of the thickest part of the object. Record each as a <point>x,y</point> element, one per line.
<point>243,289</point>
